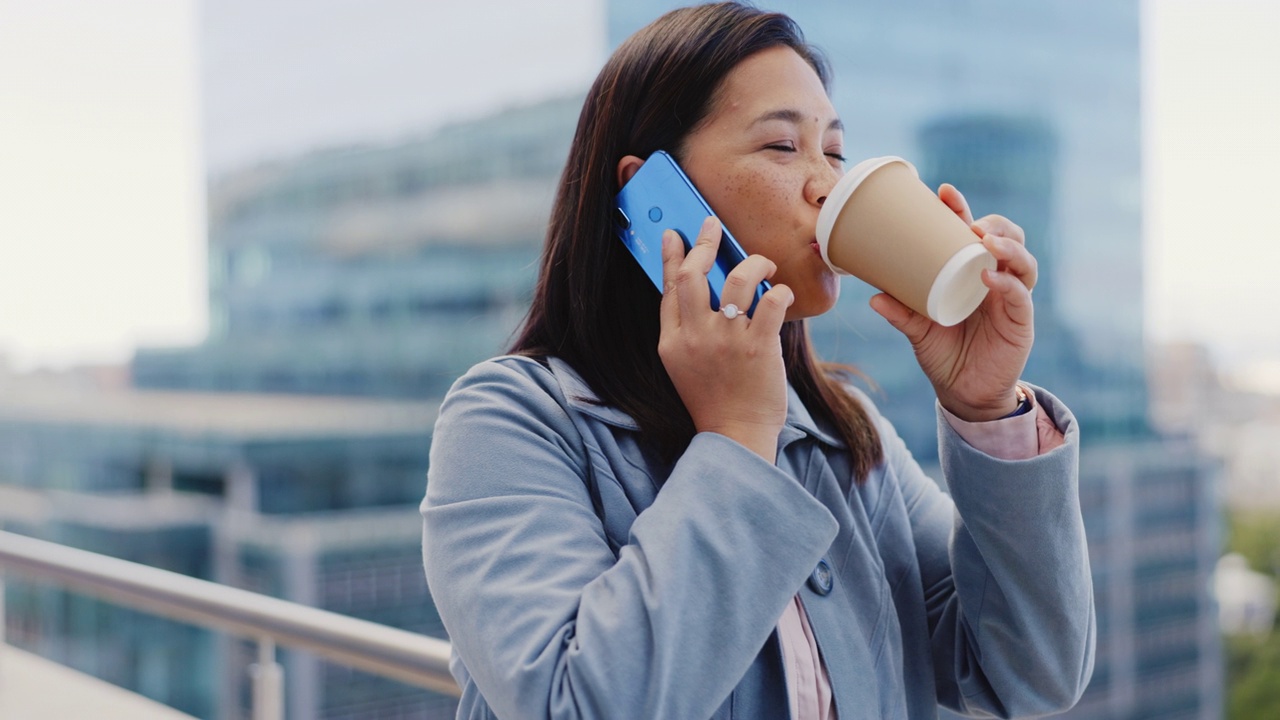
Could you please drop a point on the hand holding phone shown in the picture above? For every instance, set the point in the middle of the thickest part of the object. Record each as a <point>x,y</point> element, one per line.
<point>659,197</point>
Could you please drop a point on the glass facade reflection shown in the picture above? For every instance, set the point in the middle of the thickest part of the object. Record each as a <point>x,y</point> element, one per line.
<point>384,271</point>
<point>311,499</point>
<point>381,272</point>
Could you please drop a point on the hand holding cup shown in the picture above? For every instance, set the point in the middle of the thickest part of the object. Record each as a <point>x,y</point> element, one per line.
<point>959,290</point>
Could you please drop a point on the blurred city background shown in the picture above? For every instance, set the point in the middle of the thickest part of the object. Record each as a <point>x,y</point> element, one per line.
<point>245,247</point>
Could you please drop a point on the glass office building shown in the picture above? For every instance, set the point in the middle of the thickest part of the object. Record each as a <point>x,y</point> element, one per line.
<point>383,270</point>
<point>348,289</point>
<point>311,499</point>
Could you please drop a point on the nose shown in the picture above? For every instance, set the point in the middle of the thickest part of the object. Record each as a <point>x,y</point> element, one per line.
<point>820,183</point>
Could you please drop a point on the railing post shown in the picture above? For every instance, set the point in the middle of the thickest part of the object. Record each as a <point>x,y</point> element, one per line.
<point>268,682</point>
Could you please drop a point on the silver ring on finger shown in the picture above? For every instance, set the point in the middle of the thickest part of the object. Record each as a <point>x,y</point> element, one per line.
<point>731,311</point>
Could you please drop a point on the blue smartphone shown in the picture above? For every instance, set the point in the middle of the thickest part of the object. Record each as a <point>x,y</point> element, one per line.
<point>660,197</point>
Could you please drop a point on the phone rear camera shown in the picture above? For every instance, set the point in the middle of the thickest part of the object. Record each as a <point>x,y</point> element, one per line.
<point>621,218</point>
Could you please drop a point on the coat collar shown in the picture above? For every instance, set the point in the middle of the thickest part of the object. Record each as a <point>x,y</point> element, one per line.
<point>583,399</point>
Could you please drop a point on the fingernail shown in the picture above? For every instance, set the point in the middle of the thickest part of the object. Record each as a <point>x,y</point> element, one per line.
<point>668,237</point>
<point>709,224</point>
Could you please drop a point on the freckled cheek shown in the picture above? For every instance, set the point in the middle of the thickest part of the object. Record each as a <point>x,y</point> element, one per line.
<point>757,207</point>
<point>750,226</point>
<point>764,219</point>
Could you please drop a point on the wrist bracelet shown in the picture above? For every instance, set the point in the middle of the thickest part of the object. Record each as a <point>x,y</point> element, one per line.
<point>1024,404</point>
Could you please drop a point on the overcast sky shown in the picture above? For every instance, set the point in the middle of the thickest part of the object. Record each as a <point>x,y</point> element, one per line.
<point>105,141</point>
<point>394,67</point>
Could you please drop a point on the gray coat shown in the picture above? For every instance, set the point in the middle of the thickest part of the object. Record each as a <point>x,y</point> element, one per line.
<point>578,576</point>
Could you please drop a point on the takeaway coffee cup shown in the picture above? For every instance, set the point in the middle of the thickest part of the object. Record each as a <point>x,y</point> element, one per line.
<point>882,225</point>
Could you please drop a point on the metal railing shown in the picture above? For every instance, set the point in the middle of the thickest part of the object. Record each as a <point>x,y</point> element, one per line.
<point>378,649</point>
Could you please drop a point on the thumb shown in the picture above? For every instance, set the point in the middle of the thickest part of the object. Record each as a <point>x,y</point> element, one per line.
<point>908,322</point>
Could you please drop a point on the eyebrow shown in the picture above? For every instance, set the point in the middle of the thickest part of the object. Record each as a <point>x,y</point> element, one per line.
<point>793,116</point>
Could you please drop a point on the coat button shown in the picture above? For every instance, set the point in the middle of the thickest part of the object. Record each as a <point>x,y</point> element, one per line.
<point>820,579</point>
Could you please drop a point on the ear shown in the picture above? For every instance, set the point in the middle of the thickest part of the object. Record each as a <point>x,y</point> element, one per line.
<point>627,167</point>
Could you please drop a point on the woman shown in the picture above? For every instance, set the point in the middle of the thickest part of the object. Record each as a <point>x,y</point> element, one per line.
<point>654,510</point>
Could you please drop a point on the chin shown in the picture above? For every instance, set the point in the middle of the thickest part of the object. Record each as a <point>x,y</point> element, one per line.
<point>813,304</point>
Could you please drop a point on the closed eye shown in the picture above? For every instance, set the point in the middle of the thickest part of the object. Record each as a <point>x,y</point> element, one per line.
<point>836,156</point>
<point>782,147</point>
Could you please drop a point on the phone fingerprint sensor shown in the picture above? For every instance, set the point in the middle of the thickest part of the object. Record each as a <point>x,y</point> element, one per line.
<point>655,214</point>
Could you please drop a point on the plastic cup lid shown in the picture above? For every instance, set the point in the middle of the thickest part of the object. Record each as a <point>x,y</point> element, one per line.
<point>958,289</point>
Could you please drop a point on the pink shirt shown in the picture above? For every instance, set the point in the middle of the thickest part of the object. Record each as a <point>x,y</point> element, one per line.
<point>808,687</point>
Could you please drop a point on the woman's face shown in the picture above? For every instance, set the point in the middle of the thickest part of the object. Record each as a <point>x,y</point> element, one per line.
<point>765,159</point>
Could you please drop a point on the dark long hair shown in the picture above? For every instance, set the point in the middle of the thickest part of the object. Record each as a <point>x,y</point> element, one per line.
<point>593,306</point>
